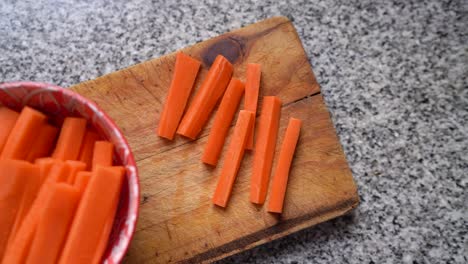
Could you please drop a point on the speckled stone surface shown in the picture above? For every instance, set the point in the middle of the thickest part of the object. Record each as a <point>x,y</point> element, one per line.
<point>394,75</point>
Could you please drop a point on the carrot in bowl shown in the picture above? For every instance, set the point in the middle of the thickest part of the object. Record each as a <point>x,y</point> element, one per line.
<point>44,143</point>
<point>70,139</point>
<point>102,154</point>
<point>8,118</point>
<point>206,98</point>
<point>185,72</point>
<point>87,148</point>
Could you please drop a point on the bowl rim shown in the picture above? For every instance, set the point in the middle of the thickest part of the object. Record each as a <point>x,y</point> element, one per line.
<point>133,204</point>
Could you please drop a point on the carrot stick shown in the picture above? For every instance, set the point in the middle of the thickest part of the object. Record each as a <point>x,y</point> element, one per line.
<point>185,73</point>
<point>227,110</point>
<point>265,148</point>
<point>206,98</point>
<point>252,87</point>
<point>103,241</point>
<point>8,118</point>
<point>45,164</point>
<point>233,159</point>
<point>75,167</point>
<point>70,139</point>
<point>81,180</point>
<point>280,178</point>
<point>14,177</point>
<point>29,195</point>
<point>25,130</point>
<point>102,154</point>
<point>87,148</point>
<point>53,226</point>
<point>93,211</point>
<point>19,247</point>
<point>44,143</point>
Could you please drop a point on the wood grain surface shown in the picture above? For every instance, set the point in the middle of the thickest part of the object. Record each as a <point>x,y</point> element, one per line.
<point>178,222</point>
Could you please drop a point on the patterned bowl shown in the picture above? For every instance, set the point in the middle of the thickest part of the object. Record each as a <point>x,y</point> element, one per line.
<point>58,103</point>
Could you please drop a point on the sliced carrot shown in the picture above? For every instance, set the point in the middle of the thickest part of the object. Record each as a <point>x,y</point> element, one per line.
<point>81,180</point>
<point>87,148</point>
<point>45,164</point>
<point>54,224</point>
<point>185,72</point>
<point>44,143</point>
<point>265,148</point>
<point>233,159</point>
<point>224,115</point>
<point>280,178</point>
<point>102,154</point>
<point>14,177</point>
<point>75,167</point>
<point>103,241</point>
<point>30,192</point>
<point>8,118</point>
<point>25,130</point>
<point>70,139</point>
<point>93,211</point>
<point>252,88</point>
<point>19,247</point>
<point>206,98</point>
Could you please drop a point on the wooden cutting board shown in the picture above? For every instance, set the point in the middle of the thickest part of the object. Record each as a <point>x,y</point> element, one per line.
<point>178,222</point>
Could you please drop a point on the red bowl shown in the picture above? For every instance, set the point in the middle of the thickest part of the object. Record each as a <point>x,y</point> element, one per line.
<point>58,103</point>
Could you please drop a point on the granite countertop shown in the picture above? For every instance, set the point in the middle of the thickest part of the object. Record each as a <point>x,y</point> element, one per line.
<point>394,76</point>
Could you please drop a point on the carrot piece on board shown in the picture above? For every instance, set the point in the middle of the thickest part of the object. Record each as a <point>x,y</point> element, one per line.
<point>70,139</point>
<point>226,111</point>
<point>87,148</point>
<point>280,178</point>
<point>233,159</point>
<point>75,167</point>
<point>30,192</point>
<point>102,154</point>
<point>54,224</point>
<point>14,176</point>
<point>95,207</point>
<point>81,180</point>
<point>265,144</point>
<point>206,98</point>
<point>44,143</point>
<point>25,130</point>
<point>252,88</point>
<point>8,118</point>
<point>185,72</point>
<point>19,247</point>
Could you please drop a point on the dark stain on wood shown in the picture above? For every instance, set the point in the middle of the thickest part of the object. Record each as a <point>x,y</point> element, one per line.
<point>232,47</point>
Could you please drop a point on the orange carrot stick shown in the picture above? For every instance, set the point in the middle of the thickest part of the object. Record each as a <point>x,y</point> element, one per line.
<point>233,159</point>
<point>45,164</point>
<point>29,195</point>
<point>81,180</point>
<point>14,176</point>
<point>185,72</point>
<point>265,148</point>
<point>87,148</point>
<point>206,98</point>
<point>252,88</point>
<point>19,247</point>
<point>103,241</point>
<point>227,110</point>
<point>91,216</point>
<point>44,143</point>
<point>8,118</point>
<point>25,130</point>
<point>102,154</point>
<point>53,226</point>
<point>70,139</point>
<point>280,178</point>
<point>75,167</point>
